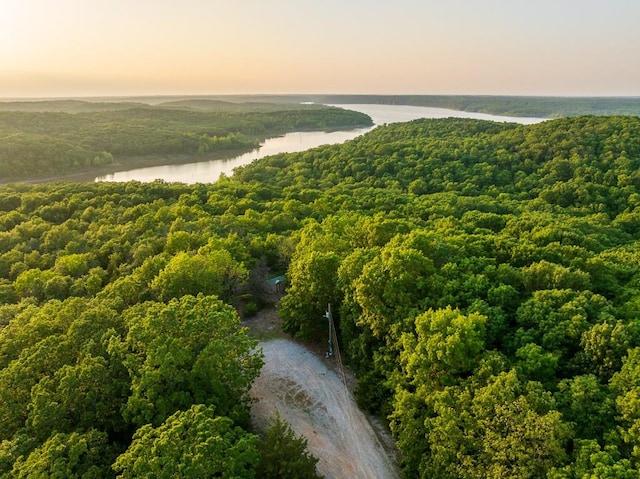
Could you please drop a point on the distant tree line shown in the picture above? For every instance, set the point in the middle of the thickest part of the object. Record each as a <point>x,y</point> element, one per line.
<point>526,106</point>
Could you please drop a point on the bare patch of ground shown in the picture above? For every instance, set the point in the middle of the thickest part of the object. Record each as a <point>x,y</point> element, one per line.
<point>312,396</point>
<point>265,325</point>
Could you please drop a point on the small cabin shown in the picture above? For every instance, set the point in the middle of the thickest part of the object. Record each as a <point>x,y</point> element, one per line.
<point>277,284</point>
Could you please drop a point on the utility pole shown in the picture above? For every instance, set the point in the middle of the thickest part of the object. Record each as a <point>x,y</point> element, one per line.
<point>329,353</point>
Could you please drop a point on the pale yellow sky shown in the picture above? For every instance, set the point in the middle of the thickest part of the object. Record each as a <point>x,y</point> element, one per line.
<point>132,47</point>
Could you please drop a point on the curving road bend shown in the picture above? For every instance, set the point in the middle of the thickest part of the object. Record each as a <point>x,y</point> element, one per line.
<point>316,403</point>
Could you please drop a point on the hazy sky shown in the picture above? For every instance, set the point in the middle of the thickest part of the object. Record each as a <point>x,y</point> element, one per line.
<point>130,47</point>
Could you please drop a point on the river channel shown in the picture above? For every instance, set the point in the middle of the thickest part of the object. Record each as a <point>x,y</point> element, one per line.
<point>210,171</point>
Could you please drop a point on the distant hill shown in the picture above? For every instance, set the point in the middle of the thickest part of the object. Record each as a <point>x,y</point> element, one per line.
<point>69,106</point>
<point>527,106</point>
<point>249,106</point>
<point>544,107</point>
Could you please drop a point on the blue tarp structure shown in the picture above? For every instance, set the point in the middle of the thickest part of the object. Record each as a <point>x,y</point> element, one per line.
<point>277,283</point>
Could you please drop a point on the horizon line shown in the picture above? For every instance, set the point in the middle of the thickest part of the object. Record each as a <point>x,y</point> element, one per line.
<point>191,95</point>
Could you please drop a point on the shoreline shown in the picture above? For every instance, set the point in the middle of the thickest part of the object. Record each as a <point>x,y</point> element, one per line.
<point>378,114</point>
<point>130,163</point>
<point>126,163</point>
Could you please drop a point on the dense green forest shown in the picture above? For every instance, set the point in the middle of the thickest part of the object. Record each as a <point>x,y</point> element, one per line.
<point>118,344</point>
<point>485,280</point>
<point>50,138</point>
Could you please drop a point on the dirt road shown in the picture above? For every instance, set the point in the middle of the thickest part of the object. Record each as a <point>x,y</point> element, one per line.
<point>314,400</point>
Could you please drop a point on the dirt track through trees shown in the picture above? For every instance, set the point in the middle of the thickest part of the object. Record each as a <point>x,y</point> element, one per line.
<point>313,399</point>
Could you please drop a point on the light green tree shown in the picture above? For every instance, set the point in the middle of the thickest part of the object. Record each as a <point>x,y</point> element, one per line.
<point>214,273</point>
<point>75,456</point>
<point>192,350</point>
<point>191,444</point>
<point>626,386</point>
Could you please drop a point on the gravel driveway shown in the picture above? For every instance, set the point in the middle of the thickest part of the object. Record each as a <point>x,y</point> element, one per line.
<point>315,401</point>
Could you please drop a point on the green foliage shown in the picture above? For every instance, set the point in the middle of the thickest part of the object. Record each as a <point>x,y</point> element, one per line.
<point>75,455</point>
<point>626,383</point>
<point>535,106</point>
<point>592,462</point>
<point>319,270</point>
<point>447,343</point>
<point>67,377</point>
<point>196,443</point>
<point>283,454</point>
<point>484,279</point>
<point>519,258</point>
<point>211,273</point>
<point>191,350</point>
<point>501,429</point>
<point>41,138</point>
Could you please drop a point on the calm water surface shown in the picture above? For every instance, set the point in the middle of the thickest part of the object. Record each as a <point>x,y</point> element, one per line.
<point>210,171</point>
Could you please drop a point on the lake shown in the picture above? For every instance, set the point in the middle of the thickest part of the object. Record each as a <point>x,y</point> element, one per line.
<point>210,171</point>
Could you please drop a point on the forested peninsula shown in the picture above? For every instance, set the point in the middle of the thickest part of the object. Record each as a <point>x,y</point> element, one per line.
<point>42,139</point>
<point>524,106</point>
<point>531,106</point>
<point>484,278</point>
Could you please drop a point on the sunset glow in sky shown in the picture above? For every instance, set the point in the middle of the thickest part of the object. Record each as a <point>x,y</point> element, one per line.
<point>133,47</point>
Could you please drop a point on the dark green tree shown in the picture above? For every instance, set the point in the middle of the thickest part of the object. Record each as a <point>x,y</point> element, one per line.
<point>283,454</point>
